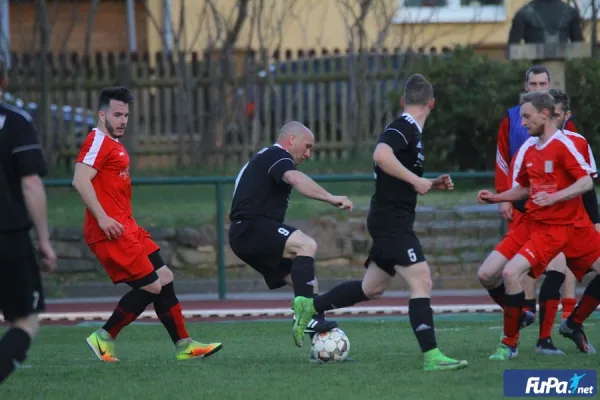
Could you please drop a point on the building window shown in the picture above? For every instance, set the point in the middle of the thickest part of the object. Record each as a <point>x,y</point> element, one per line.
<point>585,8</point>
<point>450,11</point>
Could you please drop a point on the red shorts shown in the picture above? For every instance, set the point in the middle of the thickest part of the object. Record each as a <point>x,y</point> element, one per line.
<point>126,259</point>
<point>581,247</point>
<point>517,216</point>
<point>518,234</point>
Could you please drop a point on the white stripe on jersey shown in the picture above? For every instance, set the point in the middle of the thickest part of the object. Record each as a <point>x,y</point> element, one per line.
<point>573,150</point>
<point>591,154</point>
<point>282,159</point>
<point>519,159</point>
<point>27,147</point>
<point>90,157</point>
<point>401,134</point>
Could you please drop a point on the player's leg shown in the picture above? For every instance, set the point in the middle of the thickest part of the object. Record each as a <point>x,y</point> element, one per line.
<point>549,301</point>
<point>125,261</point>
<point>302,249</point>
<point>374,283</point>
<point>568,299</point>
<point>418,277</point>
<point>514,298</point>
<point>490,272</point>
<point>572,326</point>
<point>583,250</point>
<point>536,254</point>
<point>21,299</point>
<point>529,288</point>
<point>282,275</point>
<point>169,312</point>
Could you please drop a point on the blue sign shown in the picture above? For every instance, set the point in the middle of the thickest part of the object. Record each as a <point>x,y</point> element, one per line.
<point>550,383</point>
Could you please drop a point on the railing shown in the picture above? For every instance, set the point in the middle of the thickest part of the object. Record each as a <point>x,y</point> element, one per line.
<point>219,181</point>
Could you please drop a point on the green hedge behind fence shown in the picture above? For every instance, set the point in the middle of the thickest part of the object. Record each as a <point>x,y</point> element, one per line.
<point>473,93</point>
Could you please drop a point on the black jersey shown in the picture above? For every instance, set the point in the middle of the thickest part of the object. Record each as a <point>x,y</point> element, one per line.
<point>20,155</point>
<point>260,191</point>
<point>394,198</point>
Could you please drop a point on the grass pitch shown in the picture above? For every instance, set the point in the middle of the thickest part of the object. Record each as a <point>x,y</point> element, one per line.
<point>260,361</point>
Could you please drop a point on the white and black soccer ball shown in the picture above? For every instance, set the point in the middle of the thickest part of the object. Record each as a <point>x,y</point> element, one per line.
<point>330,346</point>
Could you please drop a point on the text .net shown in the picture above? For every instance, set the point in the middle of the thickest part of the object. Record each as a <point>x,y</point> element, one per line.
<point>550,383</point>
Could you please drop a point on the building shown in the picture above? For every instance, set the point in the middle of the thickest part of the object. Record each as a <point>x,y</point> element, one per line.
<point>140,26</point>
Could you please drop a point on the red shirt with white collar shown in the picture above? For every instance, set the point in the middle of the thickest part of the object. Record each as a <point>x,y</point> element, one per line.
<point>112,183</point>
<point>550,167</point>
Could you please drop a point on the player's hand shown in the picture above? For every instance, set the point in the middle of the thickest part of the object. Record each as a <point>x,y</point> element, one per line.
<point>597,226</point>
<point>506,210</point>
<point>443,182</point>
<point>341,202</point>
<point>486,197</point>
<point>543,199</point>
<point>423,185</point>
<point>111,227</point>
<point>47,256</point>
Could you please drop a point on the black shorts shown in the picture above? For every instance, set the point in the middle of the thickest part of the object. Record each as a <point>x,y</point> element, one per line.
<point>21,291</point>
<point>260,244</point>
<point>394,247</point>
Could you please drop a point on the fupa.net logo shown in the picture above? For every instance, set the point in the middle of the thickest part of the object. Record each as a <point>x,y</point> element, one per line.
<point>550,382</point>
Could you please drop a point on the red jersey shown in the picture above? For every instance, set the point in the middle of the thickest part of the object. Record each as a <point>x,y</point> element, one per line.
<point>582,146</point>
<point>503,153</point>
<point>112,183</point>
<point>551,167</point>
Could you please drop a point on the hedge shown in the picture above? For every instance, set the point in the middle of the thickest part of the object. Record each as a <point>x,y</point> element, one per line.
<point>473,93</point>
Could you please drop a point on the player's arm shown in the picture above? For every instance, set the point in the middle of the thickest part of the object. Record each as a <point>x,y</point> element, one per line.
<point>503,160</point>
<point>581,185</point>
<point>393,140</point>
<point>283,168</point>
<point>502,179</point>
<point>31,167</point>
<point>577,167</point>
<point>517,193</point>
<point>590,199</point>
<point>82,182</point>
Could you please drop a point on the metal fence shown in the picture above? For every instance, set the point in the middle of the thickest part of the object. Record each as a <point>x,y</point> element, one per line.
<point>220,181</point>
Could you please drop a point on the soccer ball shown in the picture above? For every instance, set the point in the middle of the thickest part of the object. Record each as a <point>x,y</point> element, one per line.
<point>330,346</point>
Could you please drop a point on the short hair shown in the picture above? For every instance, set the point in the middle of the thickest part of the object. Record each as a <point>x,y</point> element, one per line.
<point>417,91</point>
<point>561,98</point>
<point>119,93</point>
<point>536,70</point>
<point>540,100</point>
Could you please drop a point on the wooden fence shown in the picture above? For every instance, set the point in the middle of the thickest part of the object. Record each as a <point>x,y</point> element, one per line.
<point>342,98</point>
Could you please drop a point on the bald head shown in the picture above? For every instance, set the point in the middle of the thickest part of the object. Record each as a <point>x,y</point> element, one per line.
<point>292,128</point>
<point>297,139</point>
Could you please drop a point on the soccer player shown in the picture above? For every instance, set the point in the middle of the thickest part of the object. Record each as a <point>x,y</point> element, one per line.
<point>22,205</point>
<point>125,250</point>
<point>282,254</point>
<point>511,135</point>
<point>554,175</point>
<point>549,297</point>
<point>490,273</point>
<point>399,160</point>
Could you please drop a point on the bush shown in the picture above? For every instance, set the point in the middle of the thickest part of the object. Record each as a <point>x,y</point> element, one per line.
<point>473,93</point>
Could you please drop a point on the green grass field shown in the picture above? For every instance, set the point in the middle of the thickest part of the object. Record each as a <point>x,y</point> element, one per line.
<point>260,361</point>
